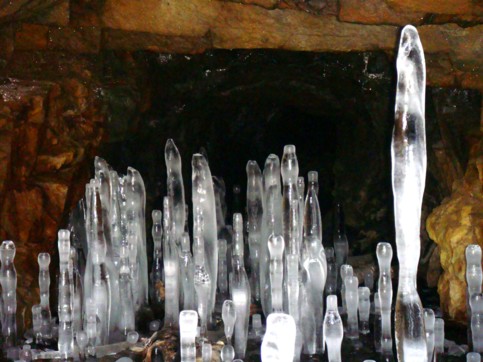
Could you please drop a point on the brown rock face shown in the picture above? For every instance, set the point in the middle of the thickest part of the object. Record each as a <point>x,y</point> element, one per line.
<point>454,225</point>
<point>42,152</point>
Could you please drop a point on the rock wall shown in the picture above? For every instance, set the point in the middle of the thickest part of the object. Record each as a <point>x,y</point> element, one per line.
<point>451,31</point>
<point>72,79</point>
<point>455,224</point>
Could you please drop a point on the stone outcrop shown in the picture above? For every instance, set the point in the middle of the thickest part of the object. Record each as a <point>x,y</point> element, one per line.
<point>48,131</point>
<point>455,224</point>
<point>451,31</point>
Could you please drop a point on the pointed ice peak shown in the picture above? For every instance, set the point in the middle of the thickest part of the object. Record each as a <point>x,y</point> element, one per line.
<point>171,152</point>
<point>290,166</point>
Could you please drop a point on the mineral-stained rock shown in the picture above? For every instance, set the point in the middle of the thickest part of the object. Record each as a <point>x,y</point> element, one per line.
<point>31,37</point>
<point>376,12</point>
<point>23,9</point>
<point>42,154</point>
<point>438,6</point>
<point>75,39</point>
<point>455,224</point>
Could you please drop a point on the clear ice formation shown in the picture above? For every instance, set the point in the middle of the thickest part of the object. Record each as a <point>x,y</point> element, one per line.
<point>255,220</point>
<point>126,317</point>
<point>78,294</point>
<point>301,206</point>
<point>293,285</point>
<point>352,302</point>
<point>228,314</point>
<point>314,259</point>
<point>476,303</point>
<point>429,319</point>
<point>473,357</point>
<point>222,267</point>
<point>227,353</point>
<point>175,189</point>
<point>171,269</point>
<point>206,351</point>
<point>290,201</point>
<point>204,205</point>
<point>66,333</point>
<point>187,273</point>
<point>45,331</point>
<point>188,321</point>
<point>279,340</point>
<point>333,330</point>
<point>474,278</point>
<point>8,282</point>
<point>271,225</point>
<point>384,257</point>
<point>377,322</point>
<point>345,271</point>
<point>307,318</point>
<point>257,326</point>
<point>364,309</point>
<point>408,153</point>
<point>202,281</point>
<point>240,289</point>
<point>37,323</point>
<point>276,247</point>
<point>313,182</point>
<point>136,197</point>
<point>157,266</point>
<point>332,271</point>
<point>438,337</point>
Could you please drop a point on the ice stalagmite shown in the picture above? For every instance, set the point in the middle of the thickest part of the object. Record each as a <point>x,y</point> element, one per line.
<point>171,269</point>
<point>290,201</point>
<point>408,153</point>
<point>333,330</point>
<point>103,175</point>
<point>314,260</point>
<point>276,247</point>
<point>65,342</point>
<point>279,340</point>
<point>44,286</point>
<point>240,289</point>
<point>8,282</point>
<point>175,189</point>
<point>187,273</point>
<point>188,321</point>
<point>384,257</point>
<point>255,212</point>
<point>204,205</point>
<point>271,225</point>
<point>136,195</point>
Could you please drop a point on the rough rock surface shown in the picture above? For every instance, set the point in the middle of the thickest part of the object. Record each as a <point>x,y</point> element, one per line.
<point>47,132</point>
<point>455,224</point>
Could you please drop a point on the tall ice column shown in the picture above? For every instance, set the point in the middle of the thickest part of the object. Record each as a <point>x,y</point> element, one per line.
<point>408,154</point>
<point>204,205</point>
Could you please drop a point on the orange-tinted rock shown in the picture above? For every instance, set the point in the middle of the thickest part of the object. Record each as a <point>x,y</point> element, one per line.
<point>76,40</point>
<point>375,12</point>
<point>455,224</point>
<point>438,6</point>
<point>42,156</point>
<point>23,9</point>
<point>31,37</point>
<point>132,41</point>
<point>58,14</point>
